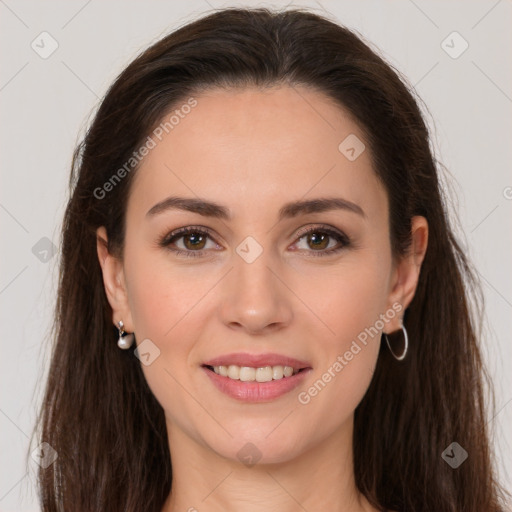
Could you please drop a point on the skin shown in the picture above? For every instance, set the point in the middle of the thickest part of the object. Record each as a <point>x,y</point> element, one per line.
<point>253,150</point>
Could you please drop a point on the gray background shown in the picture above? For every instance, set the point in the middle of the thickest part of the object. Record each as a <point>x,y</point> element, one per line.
<point>45,104</point>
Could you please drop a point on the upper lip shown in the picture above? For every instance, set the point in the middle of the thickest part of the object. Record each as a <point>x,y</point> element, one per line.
<point>257,360</point>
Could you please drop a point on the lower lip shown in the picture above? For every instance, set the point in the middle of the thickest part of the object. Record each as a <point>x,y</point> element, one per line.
<point>256,391</point>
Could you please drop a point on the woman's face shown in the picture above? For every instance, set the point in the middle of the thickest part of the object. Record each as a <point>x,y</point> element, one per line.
<point>257,284</point>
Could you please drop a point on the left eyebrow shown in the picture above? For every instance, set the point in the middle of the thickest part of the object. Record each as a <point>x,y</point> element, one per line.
<point>289,210</point>
<point>319,205</point>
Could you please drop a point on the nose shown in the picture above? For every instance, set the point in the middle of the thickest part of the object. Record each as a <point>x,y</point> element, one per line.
<point>255,296</point>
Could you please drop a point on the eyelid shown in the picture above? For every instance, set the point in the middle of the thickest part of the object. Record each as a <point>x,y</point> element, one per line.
<point>184,231</point>
<point>333,232</point>
<point>320,227</point>
<point>178,233</point>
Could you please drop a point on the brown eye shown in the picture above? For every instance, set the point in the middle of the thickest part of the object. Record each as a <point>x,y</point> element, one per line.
<point>194,241</point>
<point>321,241</point>
<point>189,241</point>
<point>318,240</point>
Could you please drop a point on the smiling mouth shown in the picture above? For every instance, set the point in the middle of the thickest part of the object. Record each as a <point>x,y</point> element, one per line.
<point>250,374</point>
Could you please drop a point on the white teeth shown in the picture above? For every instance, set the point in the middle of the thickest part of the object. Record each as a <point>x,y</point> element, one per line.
<point>277,372</point>
<point>249,374</point>
<point>264,374</point>
<point>234,372</point>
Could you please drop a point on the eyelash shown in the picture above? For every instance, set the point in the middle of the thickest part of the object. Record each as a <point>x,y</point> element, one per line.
<point>169,238</point>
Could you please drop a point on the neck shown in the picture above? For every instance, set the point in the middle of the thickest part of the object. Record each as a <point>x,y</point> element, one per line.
<point>320,478</point>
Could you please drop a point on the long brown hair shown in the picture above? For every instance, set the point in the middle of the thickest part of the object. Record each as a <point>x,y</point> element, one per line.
<point>98,412</point>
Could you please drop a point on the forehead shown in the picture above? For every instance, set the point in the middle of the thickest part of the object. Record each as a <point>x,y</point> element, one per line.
<point>246,147</point>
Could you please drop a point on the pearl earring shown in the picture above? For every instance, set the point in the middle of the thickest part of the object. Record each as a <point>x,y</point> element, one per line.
<point>124,342</point>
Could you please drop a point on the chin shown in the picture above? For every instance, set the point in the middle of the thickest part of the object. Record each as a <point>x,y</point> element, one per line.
<point>260,448</point>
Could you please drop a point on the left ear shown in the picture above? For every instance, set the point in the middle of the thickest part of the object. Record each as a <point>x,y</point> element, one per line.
<point>407,271</point>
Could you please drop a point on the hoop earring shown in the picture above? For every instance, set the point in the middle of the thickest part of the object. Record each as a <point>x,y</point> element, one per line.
<point>406,345</point>
<point>124,342</point>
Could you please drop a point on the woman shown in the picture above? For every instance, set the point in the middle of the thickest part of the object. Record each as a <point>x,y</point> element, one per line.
<point>262,304</point>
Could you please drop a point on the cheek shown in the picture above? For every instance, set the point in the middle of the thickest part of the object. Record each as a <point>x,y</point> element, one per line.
<point>161,294</point>
<point>346,299</point>
<point>349,305</point>
<point>166,302</point>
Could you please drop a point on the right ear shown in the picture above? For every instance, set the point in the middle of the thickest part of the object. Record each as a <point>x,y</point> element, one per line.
<point>113,281</point>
